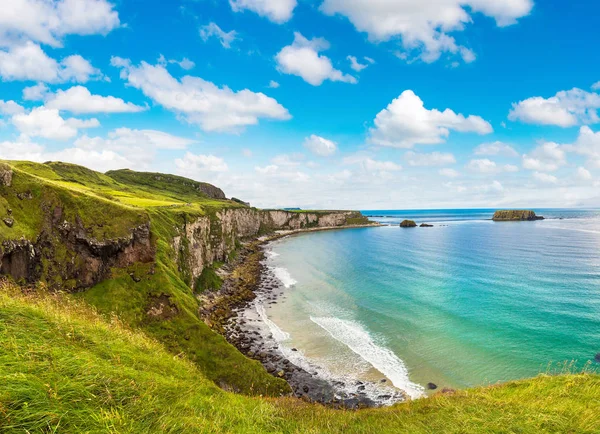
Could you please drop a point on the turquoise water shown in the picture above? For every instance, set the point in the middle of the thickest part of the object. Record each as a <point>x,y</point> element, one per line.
<point>465,303</point>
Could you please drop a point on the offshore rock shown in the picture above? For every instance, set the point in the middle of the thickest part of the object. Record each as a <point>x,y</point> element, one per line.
<point>515,215</point>
<point>408,224</point>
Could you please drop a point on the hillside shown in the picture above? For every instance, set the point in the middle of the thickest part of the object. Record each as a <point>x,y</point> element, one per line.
<point>100,328</point>
<point>139,245</point>
<point>64,368</point>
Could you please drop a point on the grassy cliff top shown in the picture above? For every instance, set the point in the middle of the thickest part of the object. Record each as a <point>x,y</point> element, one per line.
<point>64,368</point>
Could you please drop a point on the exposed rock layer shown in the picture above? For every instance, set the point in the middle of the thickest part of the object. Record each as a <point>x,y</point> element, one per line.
<point>515,215</point>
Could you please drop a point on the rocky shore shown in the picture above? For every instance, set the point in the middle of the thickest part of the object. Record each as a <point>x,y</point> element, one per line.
<point>237,311</point>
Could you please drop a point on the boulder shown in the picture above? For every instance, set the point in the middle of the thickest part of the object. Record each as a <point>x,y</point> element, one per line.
<point>515,215</point>
<point>597,358</point>
<point>425,225</point>
<point>431,386</point>
<point>408,224</point>
<point>6,175</point>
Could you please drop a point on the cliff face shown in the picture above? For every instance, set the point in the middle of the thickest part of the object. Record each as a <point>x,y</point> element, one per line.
<point>207,240</point>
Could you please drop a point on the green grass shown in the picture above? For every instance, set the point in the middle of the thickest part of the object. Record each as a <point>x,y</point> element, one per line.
<point>65,368</point>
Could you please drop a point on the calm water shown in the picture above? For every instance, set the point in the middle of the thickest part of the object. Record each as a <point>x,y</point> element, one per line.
<point>464,303</point>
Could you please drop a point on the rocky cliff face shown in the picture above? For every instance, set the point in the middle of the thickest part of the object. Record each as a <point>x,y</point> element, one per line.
<point>66,258</point>
<point>205,240</point>
<point>516,215</point>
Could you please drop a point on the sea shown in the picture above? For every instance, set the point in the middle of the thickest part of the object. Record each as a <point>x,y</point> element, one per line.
<point>467,302</point>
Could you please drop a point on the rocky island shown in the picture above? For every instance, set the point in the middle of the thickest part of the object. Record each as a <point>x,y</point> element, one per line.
<point>515,215</point>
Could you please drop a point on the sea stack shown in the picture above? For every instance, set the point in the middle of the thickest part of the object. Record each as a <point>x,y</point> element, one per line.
<point>515,215</point>
<point>408,224</point>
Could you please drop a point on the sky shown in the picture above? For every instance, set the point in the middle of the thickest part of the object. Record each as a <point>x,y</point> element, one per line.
<point>329,104</point>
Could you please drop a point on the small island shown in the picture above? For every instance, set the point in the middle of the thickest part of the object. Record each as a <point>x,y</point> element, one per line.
<point>515,215</point>
<point>408,224</point>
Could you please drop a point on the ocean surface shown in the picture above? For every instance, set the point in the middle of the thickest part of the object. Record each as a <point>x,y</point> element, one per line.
<point>468,302</point>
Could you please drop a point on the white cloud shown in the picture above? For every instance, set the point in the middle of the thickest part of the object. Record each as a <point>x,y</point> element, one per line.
<point>194,165</point>
<point>588,145</point>
<point>370,165</point>
<point>123,139</point>
<point>76,68</point>
<point>565,109</point>
<point>185,63</point>
<point>287,159</point>
<point>426,160</point>
<point>10,108</point>
<point>545,178</point>
<point>213,30</point>
<point>199,101</point>
<point>302,59</point>
<point>29,62</point>
<point>36,92</point>
<point>320,146</point>
<point>496,148</point>
<point>547,157</point>
<point>596,86</point>
<point>449,173</point>
<point>406,122</point>
<point>425,25</point>
<point>78,99</point>
<point>584,174</point>
<point>273,84</point>
<point>485,165</point>
<point>278,11</point>
<point>47,123</point>
<point>267,170</point>
<point>356,65</point>
<point>48,21</point>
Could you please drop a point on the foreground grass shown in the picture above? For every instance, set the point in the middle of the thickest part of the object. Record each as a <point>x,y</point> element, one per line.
<point>63,368</point>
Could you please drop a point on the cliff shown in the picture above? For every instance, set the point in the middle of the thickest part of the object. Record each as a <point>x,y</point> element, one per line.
<point>516,215</point>
<point>142,246</point>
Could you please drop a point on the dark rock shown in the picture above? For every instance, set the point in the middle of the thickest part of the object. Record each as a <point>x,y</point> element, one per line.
<point>6,175</point>
<point>597,358</point>
<point>431,386</point>
<point>383,380</point>
<point>294,349</point>
<point>408,224</point>
<point>425,225</point>
<point>9,222</point>
<point>25,195</point>
<point>448,391</point>
<point>515,215</point>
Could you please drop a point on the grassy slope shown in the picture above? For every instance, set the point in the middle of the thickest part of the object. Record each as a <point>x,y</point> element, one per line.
<point>64,368</point>
<point>110,208</point>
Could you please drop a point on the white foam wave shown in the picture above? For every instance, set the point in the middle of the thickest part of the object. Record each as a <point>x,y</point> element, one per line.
<point>355,337</point>
<point>284,277</point>
<point>272,254</point>
<point>278,334</point>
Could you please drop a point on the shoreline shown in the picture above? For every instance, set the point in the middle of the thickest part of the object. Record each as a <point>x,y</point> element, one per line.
<point>237,311</point>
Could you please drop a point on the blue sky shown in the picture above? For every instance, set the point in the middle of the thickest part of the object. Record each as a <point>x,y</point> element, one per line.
<point>318,104</point>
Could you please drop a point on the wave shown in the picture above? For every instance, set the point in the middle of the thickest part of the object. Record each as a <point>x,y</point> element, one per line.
<point>284,276</point>
<point>278,334</point>
<point>355,337</point>
<point>271,254</point>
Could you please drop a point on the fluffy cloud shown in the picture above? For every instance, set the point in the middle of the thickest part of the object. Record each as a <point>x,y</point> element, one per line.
<point>588,145</point>
<point>195,165</point>
<point>35,93</point>
<point>287,159</point>
<point>547,157</point>
<point>185,63</point>
<point>10,108</point>
<point>356,65</point>
<point>583,173</point>
<point>302,58</point>
<point>199,101</point>
<point>424,25</point>
<point>496,148</point>
<point>273,84</point>
<point>406,122</point>
<point>368,164</point>
<point>485,165</point>
<point>320,146</point>
<point>213,30</point>
<point>78,99</point>
<point>545,178</point>
<point>278,11</point>
<point>565,109</point>
<point>425,160</point>
<point>48,21</point>
<point>47,123</point>
<point>449,173</point>
<point>29,62</point>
